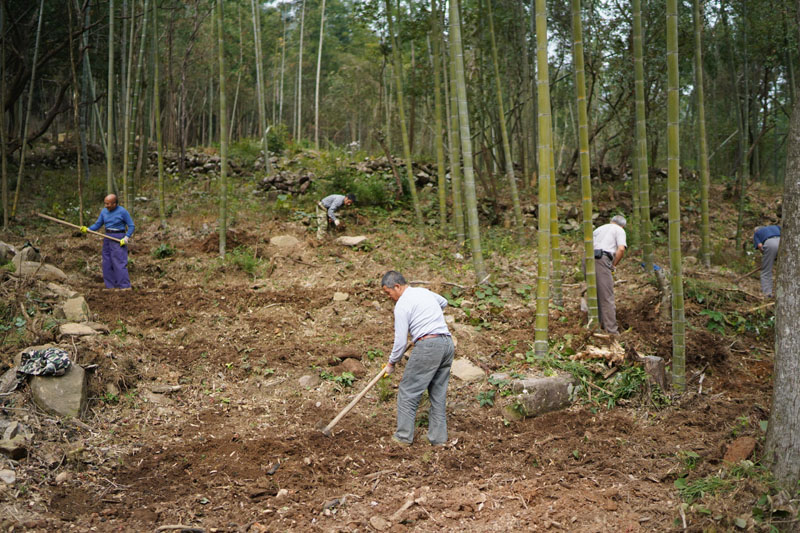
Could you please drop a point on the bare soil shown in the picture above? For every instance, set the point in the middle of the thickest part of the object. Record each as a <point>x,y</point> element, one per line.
<point>238,447</point>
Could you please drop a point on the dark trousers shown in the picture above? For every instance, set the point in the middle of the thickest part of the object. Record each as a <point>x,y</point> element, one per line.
<point>605,295</point>
<point>115,263</point>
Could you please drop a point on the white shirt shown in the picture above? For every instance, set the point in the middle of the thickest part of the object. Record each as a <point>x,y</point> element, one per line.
<point>609,237</point>
<point>418,311</point>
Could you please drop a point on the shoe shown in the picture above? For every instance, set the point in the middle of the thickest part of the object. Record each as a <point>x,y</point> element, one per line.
<point>435,444</point>
<point>399,442</point>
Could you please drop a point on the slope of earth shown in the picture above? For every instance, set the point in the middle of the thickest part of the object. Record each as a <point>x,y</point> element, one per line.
<point>197,417</point>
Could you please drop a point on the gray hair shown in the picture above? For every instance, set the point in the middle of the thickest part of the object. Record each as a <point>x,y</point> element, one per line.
<point>392,279</point>
<point>619,220</point>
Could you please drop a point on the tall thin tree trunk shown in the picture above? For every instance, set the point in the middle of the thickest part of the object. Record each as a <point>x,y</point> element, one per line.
<point>127,115</point>
<point>223,137</point>
<point>76,99</point>
<point>3,161</point>
<point>86,83</point>
<point>398,76</point>
<point>283,67</point>
<point>260,88</point>
<point>238,75</point>
<point>674,201</point>
<point>744,169</point>
<point>299,97</point>
<point>131,118</point>
<point>455,157</point>
<point>512,179</point>
<point>705,180</point>
<point>162,201</point>
<point>641,139</point>
<point>436,34</point>
<point>110,102</point>
<point>466,144</point>
<point>319,68</point>
<point>26,121</point>
<point>545,164</point>
<point>585,164</point>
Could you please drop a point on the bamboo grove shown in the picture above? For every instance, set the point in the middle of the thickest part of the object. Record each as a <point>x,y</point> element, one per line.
<point>512,100</point>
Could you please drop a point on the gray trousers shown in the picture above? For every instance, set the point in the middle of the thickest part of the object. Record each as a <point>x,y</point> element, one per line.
<point>770,252</point>
<point>428,368</point>
<point>605,295</point>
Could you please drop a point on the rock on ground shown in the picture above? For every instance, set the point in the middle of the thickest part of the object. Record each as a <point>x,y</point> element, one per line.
<point>41,271</point>
<point>61,291</point>
<point>353,366</point>
<point>340,296</point>
<point>62,395</point>
<point>7,252</point>
<point>76,310</point>
<point>464,370</point>
<point>351,241</point>
<point>72,328</point>
<point>284,241</point>
<point>740,449</point>
<point>309,381</point>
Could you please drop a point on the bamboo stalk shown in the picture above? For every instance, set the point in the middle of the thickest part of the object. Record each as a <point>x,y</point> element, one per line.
<point>70,224</point>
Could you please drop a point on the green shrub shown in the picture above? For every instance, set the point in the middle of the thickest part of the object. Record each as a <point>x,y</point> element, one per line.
<point>242,257</point>
<point>163,251</point>
<point>370,189</point>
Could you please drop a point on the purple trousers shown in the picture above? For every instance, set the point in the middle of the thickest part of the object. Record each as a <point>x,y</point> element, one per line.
<point>115,263</point>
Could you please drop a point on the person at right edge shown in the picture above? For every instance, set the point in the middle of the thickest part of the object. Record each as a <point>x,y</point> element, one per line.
<point>767,239</point>
<point>609,247</point>
<point>418,312</point>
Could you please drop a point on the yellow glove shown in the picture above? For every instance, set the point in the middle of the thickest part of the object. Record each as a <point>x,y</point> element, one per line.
<point>84,229</point>
<point>123,241</point>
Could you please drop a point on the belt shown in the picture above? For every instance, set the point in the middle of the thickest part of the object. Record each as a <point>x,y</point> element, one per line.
<point>109,230</point>
<point>431,336</point>
<point>609,255</point>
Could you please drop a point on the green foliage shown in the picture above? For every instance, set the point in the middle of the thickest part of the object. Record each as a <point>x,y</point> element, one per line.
<point>689,459</point>
<point>488,297</point>
<point>370,190</point>
<point>486,398</point>
<point>245,151</point>
<point>243,258</point>
<point>374,353</point>
<point>716,321</point>
<point>385,389</point>
<point>163,251</point>
<point>691,491</point>
<point>345,379</point>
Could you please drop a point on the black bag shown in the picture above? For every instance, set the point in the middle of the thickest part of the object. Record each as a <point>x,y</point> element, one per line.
<point>598,254</point>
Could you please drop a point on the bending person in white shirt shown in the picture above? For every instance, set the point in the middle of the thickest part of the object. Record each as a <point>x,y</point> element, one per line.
<point>418,312</point>
<point>609,247</point>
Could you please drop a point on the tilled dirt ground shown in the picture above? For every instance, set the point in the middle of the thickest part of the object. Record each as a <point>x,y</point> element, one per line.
<point>237,445</point>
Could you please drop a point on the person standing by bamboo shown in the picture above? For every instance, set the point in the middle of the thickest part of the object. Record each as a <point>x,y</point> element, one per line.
<point>118,224</point>
<point>609,247</point>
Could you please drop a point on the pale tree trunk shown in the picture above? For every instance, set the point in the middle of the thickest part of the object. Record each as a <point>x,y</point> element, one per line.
<point>744,127</point>
<point>76,99</point>
<point>455,158</point>
<point>110,102</point>
<point>260,88</point>
<point>238,75</point>
<point>127,100</point>
<point>283,67</point>
<point>556,273</point>
<point>512,179</point>
<point>705,180</point>
<point>298,133</point>
<point>398,76</point>
<point>641,140</point>
<point>24,136</point>
<point>223,137</point>
<point>436,34</point>
<point>783,433</point>
<point>162,208</point>
<point>545,164</point>
<point>585,164</point>
<point>86,84</point>
<point>131,117</point>
<point>466,144</point>
<point>319,68</point>
<point>674,201</point>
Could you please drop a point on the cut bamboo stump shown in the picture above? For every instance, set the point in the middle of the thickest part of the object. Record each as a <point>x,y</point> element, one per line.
<point>537,396</point>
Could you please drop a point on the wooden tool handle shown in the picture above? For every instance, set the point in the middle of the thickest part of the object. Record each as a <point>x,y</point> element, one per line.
<point>78,227</point>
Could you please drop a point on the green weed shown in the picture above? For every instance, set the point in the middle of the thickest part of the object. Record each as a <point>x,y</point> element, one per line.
<point>486,398</point>
<point>163,250</point>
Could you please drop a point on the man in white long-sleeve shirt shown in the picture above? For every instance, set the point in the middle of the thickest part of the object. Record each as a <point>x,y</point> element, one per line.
<point>418,312</point>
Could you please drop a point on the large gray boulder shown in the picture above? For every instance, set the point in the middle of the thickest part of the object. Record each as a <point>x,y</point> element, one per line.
<point>464,370</point>
<point>76,310</point>
<point>540,395</point>
<point>29,253</point>
<point>351,241</point>
<point>60,291</point>
<point>63,395</point>
<point>41,271</point>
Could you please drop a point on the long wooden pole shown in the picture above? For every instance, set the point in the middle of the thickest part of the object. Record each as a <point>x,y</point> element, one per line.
<point>78,227</point>
<point>378,376</point>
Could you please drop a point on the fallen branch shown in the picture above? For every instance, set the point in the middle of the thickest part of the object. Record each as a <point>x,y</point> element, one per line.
<point>747,275</point>
<point>768,304</point>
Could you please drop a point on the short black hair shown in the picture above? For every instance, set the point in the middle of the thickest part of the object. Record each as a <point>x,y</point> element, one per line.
<point>351,197</point>
<point>393,278</point>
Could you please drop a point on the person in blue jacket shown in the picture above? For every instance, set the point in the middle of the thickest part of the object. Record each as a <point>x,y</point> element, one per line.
<point>119,224</point>
<point>767,239</point>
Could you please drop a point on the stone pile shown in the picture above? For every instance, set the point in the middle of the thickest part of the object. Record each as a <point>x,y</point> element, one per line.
<point>287,181</point>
